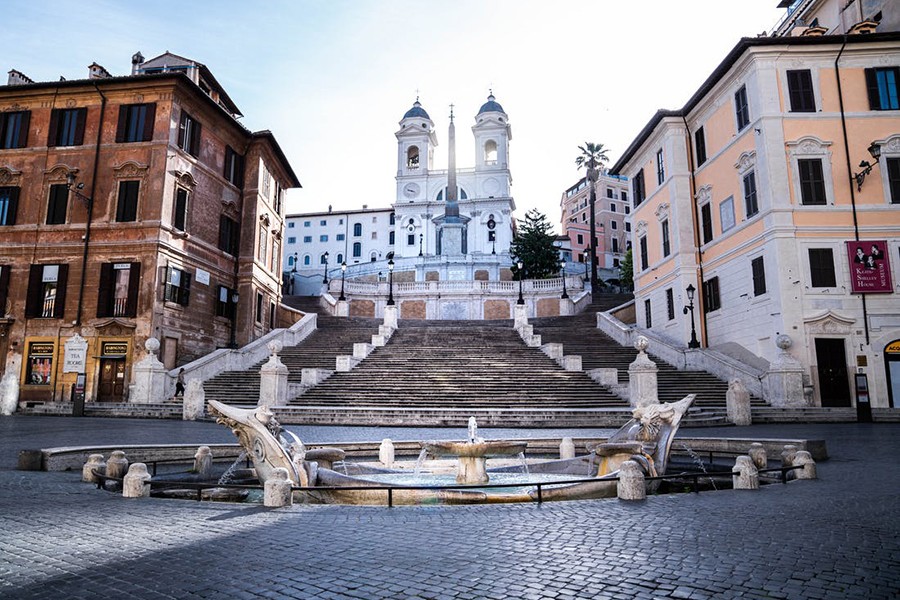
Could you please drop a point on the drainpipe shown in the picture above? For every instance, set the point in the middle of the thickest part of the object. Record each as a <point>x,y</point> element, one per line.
<point>704,338</point>
<point>90,206</point>
<point>850,179</point>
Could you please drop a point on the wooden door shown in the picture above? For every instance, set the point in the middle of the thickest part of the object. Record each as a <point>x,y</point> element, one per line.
<point>834,385</point>
<point>112,380</point>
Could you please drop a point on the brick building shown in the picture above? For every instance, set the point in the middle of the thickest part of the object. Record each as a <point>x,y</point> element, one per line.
<point>132,207</point>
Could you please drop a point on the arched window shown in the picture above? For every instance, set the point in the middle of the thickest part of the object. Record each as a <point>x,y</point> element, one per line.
<point>374,256</point>
<point>412,157</point>
<point>490,152</point>
<point>461,196</point>
<point>306,260</point>
<point>290,261</point>
<point>357,229</point>
<point>340,258</point>
<point>392,219</point>
<point>357,249</point>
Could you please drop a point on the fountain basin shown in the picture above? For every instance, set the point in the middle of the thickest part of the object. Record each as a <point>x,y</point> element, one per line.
<point>473,454</point>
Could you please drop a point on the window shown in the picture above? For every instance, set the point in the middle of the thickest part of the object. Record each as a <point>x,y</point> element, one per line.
<point>374,235</point>
<point>307,223</point>
<point>357,229</point>
<point>357,249</point>
<point>609,193</point>
<point>893,173</point>
<point>66,127</point>
<point>666,248</point>
<point>39,368</point>
<point>660,167</point>
<point>648,319</point>
<point>750,201</point>
<point>627,226</point>
<point>262,243</point>
<point>189,134</point>
<point>46,291</point>
<point>711,300</point>
<point>644,260</point>
<point>706,223</point>
<point>411,239</point>
<point>307,260</point>
<point>9,201</point>
<point>800,91</point>
<point>179,219</point>
<point>292,240</point>
<point>882,87</point>
<point>135,123</point>
<point>391,219</point>
<point>178,286</point>
<point>726,213</point>
<point>126,209</point>
<point>259,308</point>
<point>670,304</point>
<point>14,129</point>
<point>373,256</point>
<point>612,207</point>
<point>580,239</point>
<point>57,203</point>
<point>323,223</point>
<point>266,183</point>
<point>291,225</point>
<point>119,285</point>
<point>821,267</point>
<point>741,108</point>
<point>613,225</point>
<point>615,245</point>
<point>700,146</point>
<point>271,315</point>
<point>339,237</point>
<point>228,235</point>
<point>637,187</point>
<point>340,221</point>
<point>624,197</point>
<point>234,169</point>
<point>323,238</point>
<point>224,306</point>
<point>812,181</point>
<point>391,238</point>
<point>276,255</point>
<point>627,208</point>
<point>758,268</point>
<point>4,284</point>
<point>340,258</point>
<point>307,239</point>
<point>374,219</point>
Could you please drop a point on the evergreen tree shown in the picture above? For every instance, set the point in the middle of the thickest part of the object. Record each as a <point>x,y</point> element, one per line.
<point>533,245</point>
<point>626,271</point>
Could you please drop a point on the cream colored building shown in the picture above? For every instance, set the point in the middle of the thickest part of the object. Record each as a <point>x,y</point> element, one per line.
<point>749,194</point>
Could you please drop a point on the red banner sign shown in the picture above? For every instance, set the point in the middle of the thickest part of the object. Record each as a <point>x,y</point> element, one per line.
<point>870,269</point>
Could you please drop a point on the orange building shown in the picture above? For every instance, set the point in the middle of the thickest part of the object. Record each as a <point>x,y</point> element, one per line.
<point>131,207</point>
<point>757,194</point>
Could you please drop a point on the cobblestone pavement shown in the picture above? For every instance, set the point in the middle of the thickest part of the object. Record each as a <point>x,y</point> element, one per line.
<point>836,537</point>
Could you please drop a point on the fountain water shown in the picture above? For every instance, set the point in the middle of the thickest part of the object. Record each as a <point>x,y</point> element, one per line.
<point>228,476</point>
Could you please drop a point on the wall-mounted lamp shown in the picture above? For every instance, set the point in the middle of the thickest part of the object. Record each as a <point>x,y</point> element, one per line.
<point>866,166</point>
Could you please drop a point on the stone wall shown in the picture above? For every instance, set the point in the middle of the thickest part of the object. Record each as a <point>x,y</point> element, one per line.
<point>412,309</point>
<point>496,309</point>
<point>548,307</point>
<point>362,308</point>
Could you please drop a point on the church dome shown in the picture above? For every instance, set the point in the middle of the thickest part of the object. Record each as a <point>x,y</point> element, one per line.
<point>416,112</point>
<point>491,106</point>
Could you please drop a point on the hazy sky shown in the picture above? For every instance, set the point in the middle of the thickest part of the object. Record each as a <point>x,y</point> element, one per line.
<point>332,78</point>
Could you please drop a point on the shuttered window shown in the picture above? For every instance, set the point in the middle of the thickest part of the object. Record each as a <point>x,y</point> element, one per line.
<point>126,209</point>
<point>645,262</point>
<point>706,222</point>
<point>648,316</point>
<point>882,85</point>
<point>666,248</point>
<point>119,287</point>
<point>179,219</point>
<point>136,123</point>
<point>711,300</point>
<point>14,129</point>
<point>821,267</point>
<point>893,171</point>
<point>700,146</point>
<point>4,287</point>
<point>758,268</point>
<point>741,108</point>
<point>46,296</point>
<point>178,286</point>
<point>9,203</point>
<point>57,203</point>
<point>800,91</point>
<point>670,304</point>
<point>234,167</point>
<point>189,134</point>
<point>637,187</point>
<point>812,181</point>
<point>751,204</point>
<point>228,235</point>
<point>66,127</point>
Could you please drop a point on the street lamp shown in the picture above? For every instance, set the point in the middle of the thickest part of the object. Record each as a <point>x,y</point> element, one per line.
<point>89,203</point>
<point>390,301</point>
<point>875,151</point>
<point>420,244</point>
<point>690,308</point>
<point>325,276</point>
<point>294,270</point>
<point>521,267</point>
<point>343,273</point>
<point>565,294</point>
<point>234,301</point>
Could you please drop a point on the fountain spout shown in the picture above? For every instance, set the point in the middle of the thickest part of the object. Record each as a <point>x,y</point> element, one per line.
<point>473,430</point>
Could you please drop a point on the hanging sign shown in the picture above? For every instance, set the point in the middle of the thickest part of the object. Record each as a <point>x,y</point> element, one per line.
<point>870,269</point>
<point>75,355</point>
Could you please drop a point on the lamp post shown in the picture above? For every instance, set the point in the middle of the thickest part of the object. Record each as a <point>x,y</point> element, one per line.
<point>390,301</point>
<point>875,151</point>
<point>325,276</point>
<point>234,300</point>
<point>690,308</point>
<point>420,244</point>
<point>89,203</point>
<point>294,270</point>
<point>521,266</point>
<point>343,273</point>
<point>565,294</point>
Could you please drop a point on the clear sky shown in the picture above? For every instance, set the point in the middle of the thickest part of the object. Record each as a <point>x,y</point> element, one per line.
<point>332,78</point>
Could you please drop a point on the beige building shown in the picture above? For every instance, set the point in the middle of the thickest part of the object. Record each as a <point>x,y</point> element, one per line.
<point>761,193</point>
<point>132,207</point>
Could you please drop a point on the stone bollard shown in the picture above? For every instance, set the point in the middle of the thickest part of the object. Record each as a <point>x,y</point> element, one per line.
<point>386,452</point>
<point>566,449</point>
<point>758,455</point>
<point>631,482</point>
<point>642,382</point>
<point>94,462</point>
<point>193,406</point>
<point>203,461</point>
<point>135,483</point>
<point>744,474</point>
<point>805,459</point>
<point>737,403</point>
<point>117,465</point>
<point>9,392</point>
<point>787,459</point>
<point>278,489</point>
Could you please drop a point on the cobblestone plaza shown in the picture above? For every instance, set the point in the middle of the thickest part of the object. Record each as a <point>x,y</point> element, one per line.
<point>836,537</point>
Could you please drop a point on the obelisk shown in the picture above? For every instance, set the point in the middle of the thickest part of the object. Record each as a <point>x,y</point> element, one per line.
<point>452,228</point>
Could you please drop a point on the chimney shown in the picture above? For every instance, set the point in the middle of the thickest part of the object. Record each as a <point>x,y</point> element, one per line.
<point>136,61</point>
<point>18,78</point>
<point>96,71</point>
<point>864,27</point>
<point>329,208</point>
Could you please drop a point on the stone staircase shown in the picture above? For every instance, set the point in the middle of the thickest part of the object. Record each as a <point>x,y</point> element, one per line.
<point>579,335</point>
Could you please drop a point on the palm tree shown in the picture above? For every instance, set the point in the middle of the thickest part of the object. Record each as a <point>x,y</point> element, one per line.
<point>592,156</point>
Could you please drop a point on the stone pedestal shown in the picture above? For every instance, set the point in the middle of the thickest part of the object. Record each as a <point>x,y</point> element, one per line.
<point>310,376</point>
<point>642,377</point>
<point>572,362</point>
<point>203,461</point>
<point>553,350</point>
<point>758,455</point>
<point>277,489</point>
<point>472,470</point>
<point>342,308</point>
<point>520,316</point>
<point>631,484</point>
<point>737,403</point>
<point>566,307</point>
<point>805,460</point>
<point>273,379</point>
<point>94,462</point>
<point>152,383</point>
<point>783,383</point>
<point>566,449</point>
<point>135,483</point>
<point>604,376</point>
<point>194,404</point>
<point>386,452</point>
<point>362,349</point>
<point>345,362</point>
<point>391,315</point>
<point>9,393</point>
<point>744,474</point>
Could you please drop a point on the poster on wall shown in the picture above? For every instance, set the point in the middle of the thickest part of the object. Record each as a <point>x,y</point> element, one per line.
<point>870,269</point>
